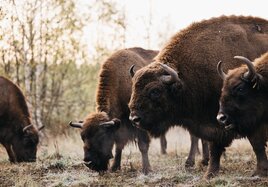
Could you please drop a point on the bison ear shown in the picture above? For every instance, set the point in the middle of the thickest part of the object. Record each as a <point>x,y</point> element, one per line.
<point>26,129</point>
<point>112,125</point>
<point>257,81</point>
<point>131,70</point>
<point>176,87</point>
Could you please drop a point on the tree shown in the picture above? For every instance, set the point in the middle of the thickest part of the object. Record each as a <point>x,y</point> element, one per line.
<point>40,39</point>
<point>110,22</point>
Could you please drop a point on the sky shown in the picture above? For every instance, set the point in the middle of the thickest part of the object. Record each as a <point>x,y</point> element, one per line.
<point>170,16</point>
<point>179,14</point>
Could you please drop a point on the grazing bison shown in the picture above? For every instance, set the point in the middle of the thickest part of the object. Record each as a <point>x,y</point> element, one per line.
<point>17,134</point>
<point>181,86</point>
<point>243,105</point>
<point>110,124</point>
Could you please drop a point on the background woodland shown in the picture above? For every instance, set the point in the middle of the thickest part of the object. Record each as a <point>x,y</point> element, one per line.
<point>44,50</point>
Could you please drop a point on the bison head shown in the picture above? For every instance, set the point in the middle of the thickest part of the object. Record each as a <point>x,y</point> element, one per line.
<point>241,101</point>
<point>24,145</point>
<point>98,137</point>
<point>154,90</point>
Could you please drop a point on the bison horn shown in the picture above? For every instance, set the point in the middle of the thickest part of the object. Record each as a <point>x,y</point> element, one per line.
<point>251,69</point>
<point>76,125</point>
<point>87,163</point>
<point>113,125</point>
<point>41,128</point>
<point>108,123</point>
<point>131,70</point>
<point>220,71</point>
<point>172,77</point>
<point>27,127</point>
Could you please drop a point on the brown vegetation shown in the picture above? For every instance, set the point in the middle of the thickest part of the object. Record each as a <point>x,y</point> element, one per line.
<point>59,164</point>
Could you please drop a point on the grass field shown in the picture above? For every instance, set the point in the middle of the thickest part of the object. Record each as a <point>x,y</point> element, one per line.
<point>60,164</point>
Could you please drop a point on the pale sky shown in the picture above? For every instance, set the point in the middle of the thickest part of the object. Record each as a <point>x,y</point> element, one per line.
<point>179,14</point>
<point>182,13</point>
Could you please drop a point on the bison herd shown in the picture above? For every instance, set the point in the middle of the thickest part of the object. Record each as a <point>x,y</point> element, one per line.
<point>142,93</point>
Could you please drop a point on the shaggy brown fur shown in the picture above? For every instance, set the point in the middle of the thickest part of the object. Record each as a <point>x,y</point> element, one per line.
<point>113,95</point>
<point>193,99</point>
<point>14,116</point>
<point>243,104</point>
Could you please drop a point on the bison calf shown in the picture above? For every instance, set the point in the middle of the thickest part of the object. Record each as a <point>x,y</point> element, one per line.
<point>244,105</point>
<point>17,134</point>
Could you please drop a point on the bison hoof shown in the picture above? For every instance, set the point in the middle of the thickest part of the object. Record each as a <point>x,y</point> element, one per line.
<point>211,173</point>
<point>262,169</point>
<point>261,173</point>
<point>115,168</point>
<point>189,163</point>
<point>163,152</point>
<point>12,160</point>
<point>146,171</point>
<point>204,162</point>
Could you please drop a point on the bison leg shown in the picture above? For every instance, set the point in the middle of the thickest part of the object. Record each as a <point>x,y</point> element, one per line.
<point>11,154</point>
<point>163,143</point>
<point>258,142</point>
<point>143,143</point>
<point>205,151</point>
<point>117,159</point>
<point>215,153</point>
<point>193,150</point>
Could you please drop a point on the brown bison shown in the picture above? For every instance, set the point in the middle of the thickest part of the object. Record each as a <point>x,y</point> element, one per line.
<point>17,134</point>
<point>110,124</point>
<point>243,105</point>
<point>182,86</point>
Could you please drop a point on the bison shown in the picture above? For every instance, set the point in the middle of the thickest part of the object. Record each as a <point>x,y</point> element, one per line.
<point>110,125</point>
<point>17,134</point>
<point>181,86</point>
<point>243,105</point>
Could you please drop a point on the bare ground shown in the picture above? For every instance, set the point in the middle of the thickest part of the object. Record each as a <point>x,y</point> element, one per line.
<point>60,164</point>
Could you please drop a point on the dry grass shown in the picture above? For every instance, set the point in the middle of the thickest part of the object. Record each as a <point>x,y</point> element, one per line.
<point>60,164</point>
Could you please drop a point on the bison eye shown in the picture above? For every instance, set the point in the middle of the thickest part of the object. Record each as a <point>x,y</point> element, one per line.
<point>28,142</point>
<point>241,89</point>
<point>83,137</point>
<point>155,94</point>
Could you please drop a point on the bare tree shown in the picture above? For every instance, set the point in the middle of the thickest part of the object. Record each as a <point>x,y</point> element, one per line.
<point>42,50</point>
<point>41,35</point>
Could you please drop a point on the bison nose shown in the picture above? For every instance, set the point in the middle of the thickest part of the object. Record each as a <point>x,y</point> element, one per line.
<point>222,118</point>
<point>135,119</point>
<point>32,159</point>
<point>87,161</point>
<point>87,157</point>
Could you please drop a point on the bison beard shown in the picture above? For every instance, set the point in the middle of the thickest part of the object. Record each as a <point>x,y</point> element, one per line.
<point>186,91</point>
<point>243,105</point>
<point>17,135</point>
